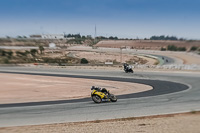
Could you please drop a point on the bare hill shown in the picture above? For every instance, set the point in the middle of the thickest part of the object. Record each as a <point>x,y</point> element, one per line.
<point>146,44</point>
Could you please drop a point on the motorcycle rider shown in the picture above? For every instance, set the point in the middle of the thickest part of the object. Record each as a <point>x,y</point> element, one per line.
<point>105,91</point>
<point>96,88</point>
<point>127,67</point>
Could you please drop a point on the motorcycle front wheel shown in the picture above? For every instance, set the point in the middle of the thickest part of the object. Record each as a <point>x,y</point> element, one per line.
<point>113,98</point>
<point>96,99</point>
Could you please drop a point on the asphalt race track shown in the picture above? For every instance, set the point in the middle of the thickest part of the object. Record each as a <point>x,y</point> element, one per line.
<point>163,87</point>
<point>166,60</point>
<point>172,93</point>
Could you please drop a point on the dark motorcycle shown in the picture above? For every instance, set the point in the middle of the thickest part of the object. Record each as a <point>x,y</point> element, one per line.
<point>128,68</point>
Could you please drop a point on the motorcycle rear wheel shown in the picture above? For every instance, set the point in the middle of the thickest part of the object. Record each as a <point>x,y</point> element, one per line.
<point>96,99</point>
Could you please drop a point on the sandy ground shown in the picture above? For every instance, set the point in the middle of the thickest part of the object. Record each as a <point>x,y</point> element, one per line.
<point>98,56</point>
<point>104,54</point>
<point>183,57</point>
<point>103,57</point>
<point>150,61</point>
<point>178,123</point>
<point>30,88</point>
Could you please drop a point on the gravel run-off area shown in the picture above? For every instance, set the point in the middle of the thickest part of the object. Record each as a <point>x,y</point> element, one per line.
<point>177,123</point>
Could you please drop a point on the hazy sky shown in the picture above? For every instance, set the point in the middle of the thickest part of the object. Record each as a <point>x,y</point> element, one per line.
<point>122,18</point>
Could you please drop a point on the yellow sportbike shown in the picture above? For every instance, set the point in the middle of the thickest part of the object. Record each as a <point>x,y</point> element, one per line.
<point>102,95</point>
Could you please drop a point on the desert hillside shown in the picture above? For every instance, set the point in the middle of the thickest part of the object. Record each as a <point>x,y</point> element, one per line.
<point>147,44</point>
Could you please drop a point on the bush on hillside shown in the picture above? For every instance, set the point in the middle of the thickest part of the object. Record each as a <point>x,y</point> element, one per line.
<point>33,52</point>
<point>163,49</point>
<point>181,49</point>
<point>175,48</point>
<point>84,61</point>
<point>193,48</point>
<point>171,48</point>
<point>2,52</point>
<point>19,53</point>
